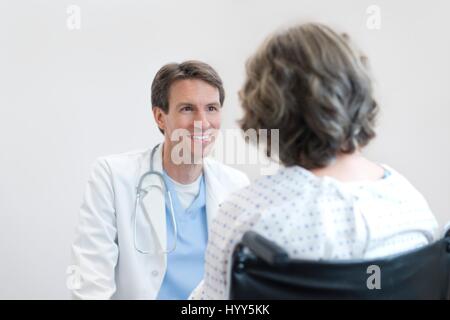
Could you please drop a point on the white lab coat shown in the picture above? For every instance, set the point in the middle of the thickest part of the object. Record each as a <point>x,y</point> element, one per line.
<point>103,252</point>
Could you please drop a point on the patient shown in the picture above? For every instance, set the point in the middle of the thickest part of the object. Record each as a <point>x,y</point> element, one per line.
<point>328,202</point>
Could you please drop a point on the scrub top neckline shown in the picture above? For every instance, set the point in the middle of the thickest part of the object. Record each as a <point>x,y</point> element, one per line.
<point>197,203</point>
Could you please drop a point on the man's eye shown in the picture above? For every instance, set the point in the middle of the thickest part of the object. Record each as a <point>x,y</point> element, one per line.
<point>186,108</point>
<point>212,108</point>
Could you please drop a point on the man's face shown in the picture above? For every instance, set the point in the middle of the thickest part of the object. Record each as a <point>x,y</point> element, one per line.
<point>194,105</point>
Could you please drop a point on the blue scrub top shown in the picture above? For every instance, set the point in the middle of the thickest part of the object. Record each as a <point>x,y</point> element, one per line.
<point>185,265</point>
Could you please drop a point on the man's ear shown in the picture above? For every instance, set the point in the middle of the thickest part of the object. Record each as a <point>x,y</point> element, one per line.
<point>159,117</point>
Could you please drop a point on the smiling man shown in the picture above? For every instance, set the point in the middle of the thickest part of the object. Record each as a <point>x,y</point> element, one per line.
<point>145,217</point>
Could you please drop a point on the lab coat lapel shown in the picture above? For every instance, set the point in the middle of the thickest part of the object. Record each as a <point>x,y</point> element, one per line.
<point>153,201</point>
<point>214,192</point>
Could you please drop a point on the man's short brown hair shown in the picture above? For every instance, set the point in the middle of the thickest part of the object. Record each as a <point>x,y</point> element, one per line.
<point>311,84</point>
<point>172,72</point>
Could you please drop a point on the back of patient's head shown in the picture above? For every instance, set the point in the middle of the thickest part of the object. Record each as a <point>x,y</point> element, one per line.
<point>313,85</point>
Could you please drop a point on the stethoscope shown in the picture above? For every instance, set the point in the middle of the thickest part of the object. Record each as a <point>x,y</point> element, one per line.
<point>137,204</point>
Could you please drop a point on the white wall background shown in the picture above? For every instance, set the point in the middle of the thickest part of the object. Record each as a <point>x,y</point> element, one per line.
<point>69,96</point>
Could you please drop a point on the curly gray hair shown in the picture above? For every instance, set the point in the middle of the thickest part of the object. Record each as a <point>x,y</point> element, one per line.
<point>312,85</point>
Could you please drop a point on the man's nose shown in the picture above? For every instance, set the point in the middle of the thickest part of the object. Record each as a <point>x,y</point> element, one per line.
<point>201,120</point>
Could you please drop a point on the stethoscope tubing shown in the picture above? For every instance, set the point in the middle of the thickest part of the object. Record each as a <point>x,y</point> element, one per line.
<point>138,204</point>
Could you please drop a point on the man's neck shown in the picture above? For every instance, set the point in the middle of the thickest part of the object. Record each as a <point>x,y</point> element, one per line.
<point>182,173</point>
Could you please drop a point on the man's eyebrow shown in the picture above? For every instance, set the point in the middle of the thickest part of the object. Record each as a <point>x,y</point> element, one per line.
<point>180,104</point>
<point>185,104</point>
<point>213,104</point>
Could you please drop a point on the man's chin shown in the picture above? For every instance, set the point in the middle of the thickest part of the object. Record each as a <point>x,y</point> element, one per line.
<point>202,151</point>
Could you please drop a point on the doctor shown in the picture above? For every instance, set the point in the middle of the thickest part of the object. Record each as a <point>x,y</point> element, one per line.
<point>144,221</point>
